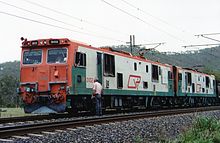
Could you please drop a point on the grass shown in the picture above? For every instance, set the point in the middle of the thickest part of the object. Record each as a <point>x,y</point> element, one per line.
<point>204,130</point>
<point>12,112</point>
<point>138,139</point>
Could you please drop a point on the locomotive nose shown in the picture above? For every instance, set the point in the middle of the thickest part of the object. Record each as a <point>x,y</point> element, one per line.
<point>44,88</point>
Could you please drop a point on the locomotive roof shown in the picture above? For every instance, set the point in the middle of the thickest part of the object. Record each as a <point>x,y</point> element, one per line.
<point>195,71</point>
<point>65,41</point>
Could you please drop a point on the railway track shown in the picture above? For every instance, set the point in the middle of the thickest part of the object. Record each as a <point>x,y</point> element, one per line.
<point>6,132</point>
<point>34,117</point>
<point>47,117</point>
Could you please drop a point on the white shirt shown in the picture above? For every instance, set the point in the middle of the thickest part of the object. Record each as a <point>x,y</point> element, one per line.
<point>97,87</point>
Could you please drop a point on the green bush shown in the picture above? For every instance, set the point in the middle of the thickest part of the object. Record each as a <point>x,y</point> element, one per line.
<point>204,130</point>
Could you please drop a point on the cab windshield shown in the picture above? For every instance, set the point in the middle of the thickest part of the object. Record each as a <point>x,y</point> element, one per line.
<point>32,57</point>
<point>58,55</point>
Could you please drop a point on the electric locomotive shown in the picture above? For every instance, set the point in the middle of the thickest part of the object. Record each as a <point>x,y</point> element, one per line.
<point>57,75</point>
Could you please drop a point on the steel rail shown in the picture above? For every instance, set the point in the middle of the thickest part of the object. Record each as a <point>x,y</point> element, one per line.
<point>32,118</point>
<point>34,128</point>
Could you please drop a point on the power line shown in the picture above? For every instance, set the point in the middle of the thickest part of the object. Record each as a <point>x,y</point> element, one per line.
<point>76,18</point>
<point>210,38</point>
<point>50,18</point>
<point>206,36</point>
<point>201,45</point>
<point>131,15</point>
<point>147,13</point>
<point>52,25</point>
<point>209,34</point>
<point>40,14</point>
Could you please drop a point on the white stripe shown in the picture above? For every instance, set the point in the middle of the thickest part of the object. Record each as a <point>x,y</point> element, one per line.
<point>71,129</point>
<point>20,137</point>
<point>6,140</point>
<point>36,135</point>
<point>51,133</point>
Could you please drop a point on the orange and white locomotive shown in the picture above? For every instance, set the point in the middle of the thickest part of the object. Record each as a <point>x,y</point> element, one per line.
<point>57,76</point>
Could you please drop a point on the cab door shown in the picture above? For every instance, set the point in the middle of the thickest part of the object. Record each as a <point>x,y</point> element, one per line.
<point>43,78</point>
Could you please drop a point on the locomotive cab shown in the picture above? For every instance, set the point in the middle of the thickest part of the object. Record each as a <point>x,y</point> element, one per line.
<point>43,78</point>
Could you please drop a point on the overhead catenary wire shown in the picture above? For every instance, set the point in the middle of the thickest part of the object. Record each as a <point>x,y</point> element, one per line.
<point>76,18</point>
<point>210,38</point>
<point>44,16</point>
<point>151,15</point>
<point>40,15</point>
<point>145,22</point>
<point>202,45</point>
<point>210,34</point>
<point>206,51</point>
<point>178,29</point>
<point>56,26</point>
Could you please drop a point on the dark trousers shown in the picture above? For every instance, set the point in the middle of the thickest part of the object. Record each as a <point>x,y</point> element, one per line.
<point>98,105</point>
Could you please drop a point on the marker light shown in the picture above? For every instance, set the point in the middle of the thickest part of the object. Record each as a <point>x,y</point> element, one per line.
<point>34,43</point>
<point>55,41</point>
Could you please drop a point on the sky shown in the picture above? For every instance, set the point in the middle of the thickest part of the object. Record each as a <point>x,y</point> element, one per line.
<point>108,22</point>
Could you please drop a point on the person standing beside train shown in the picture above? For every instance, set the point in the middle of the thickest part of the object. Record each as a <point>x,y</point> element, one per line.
<point>97,94</point>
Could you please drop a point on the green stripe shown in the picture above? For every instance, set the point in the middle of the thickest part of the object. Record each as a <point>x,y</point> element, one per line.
<point>198,95</point>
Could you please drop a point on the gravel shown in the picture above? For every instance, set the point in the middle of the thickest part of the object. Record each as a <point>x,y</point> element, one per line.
<point>142,130</point>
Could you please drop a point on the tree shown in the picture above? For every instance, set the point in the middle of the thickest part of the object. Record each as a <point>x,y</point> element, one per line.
<point>8,95</point>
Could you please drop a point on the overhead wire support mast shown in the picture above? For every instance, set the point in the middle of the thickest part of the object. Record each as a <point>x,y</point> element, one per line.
<point>132,42</point>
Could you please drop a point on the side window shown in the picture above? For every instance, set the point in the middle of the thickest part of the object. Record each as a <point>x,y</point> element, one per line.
<point>203,90</point>
<point>213,82</point>
<point>193,87</point>
<point>80,59</point>
<point>189,78</point>
<point>155,73</point>
<point>207,81</point>
<point>119,80</point>
<point>170,75</point>
<point>160,70</point>
<point>146,68</point>
<point>135,66</point>
<point>145,84</point>
<point>109,65</point>
<point>180,76</point>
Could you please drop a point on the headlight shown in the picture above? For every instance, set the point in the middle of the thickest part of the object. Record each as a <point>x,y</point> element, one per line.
<point>62,87</point>
<point>18,90</point>
<point>67,89</point>
<point>27,89</point>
